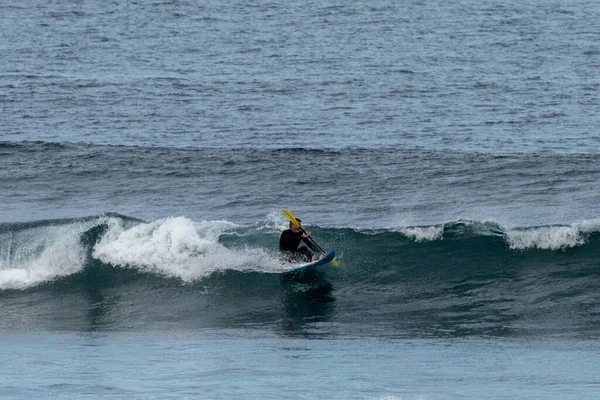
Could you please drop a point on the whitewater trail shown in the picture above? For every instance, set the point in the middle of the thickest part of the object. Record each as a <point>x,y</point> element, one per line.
<point>178,247</point>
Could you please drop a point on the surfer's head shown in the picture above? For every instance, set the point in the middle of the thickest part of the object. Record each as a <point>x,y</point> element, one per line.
<point>293,227</point>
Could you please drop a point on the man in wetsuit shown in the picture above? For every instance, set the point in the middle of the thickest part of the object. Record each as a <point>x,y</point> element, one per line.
<point>289,241</point>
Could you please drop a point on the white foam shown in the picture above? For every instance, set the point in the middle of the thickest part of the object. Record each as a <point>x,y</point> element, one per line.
<point>551,237</point>
<point>546,237</point>
<point>275,221</point>
<point>38,255</point>
<point>416,233</point>
<point>179,247</point>
<point>423,234</point>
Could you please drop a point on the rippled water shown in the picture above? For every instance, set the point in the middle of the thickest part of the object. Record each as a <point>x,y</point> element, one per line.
<point>448,151</point>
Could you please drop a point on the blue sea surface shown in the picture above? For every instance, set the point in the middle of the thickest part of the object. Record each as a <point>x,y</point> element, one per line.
<point>449,152</point>
<point>237,364</point>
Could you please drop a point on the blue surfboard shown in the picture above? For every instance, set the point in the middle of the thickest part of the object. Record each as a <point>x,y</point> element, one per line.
<point>326,259</point>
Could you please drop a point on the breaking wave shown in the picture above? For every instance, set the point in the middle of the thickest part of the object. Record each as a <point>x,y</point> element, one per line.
<point>461,277</point>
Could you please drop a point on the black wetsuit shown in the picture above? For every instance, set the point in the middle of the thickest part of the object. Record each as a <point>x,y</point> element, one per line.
<point>288,245</point>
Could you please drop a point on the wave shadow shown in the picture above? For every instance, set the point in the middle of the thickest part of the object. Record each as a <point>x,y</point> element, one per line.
<point>308,303</point>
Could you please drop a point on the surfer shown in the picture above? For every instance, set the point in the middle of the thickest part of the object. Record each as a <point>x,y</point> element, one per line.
<point>290,240</point>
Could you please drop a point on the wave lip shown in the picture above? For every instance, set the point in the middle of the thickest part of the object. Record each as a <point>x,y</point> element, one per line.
<point>552,237</point>
<point>548,238</point>
<point>423,234</point>
<point>39,254</point>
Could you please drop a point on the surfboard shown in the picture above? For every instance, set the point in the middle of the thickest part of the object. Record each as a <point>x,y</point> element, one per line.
<point>326,259</point>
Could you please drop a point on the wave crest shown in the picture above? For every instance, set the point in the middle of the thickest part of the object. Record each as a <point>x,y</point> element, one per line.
<point>41,251</point>
<point>32,256</point>
<point>552,237</point>
<point>176,247</point>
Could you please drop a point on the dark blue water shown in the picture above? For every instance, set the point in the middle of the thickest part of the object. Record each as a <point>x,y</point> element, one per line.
<point>449,152</point>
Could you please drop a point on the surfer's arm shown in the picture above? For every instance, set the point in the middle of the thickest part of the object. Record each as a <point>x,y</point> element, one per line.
<point>309,243</point>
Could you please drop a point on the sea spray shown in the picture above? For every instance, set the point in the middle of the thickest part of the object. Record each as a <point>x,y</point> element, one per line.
<point>39,254</point>
<point>177,247</point>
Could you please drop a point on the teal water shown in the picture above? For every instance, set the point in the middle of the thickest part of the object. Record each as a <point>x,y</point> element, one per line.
<point>249,364</point>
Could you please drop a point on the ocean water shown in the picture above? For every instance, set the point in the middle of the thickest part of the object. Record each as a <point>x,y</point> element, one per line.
<point>449,152</point>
